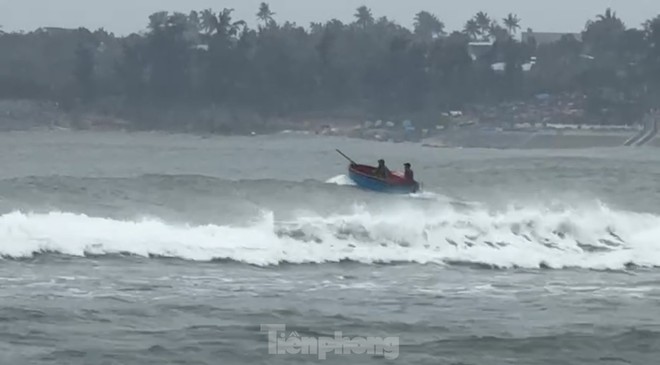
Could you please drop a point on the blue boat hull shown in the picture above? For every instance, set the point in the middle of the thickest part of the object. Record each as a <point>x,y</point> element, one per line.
<point>375,184</point>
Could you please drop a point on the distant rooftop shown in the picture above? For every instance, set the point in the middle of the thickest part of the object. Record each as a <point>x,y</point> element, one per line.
<point>478,49</point>
<point>56,30</point>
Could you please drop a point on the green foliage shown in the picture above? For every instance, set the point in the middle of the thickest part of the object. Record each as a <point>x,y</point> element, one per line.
<point>512,23</point>
<point>84,71</point>
<point>374,65</point>
<point>428,26</point>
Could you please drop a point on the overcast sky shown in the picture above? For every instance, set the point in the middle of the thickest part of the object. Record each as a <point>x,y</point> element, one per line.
<point>126,16</point>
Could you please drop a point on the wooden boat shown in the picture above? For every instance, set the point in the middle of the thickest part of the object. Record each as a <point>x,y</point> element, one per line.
<point>396,183</point>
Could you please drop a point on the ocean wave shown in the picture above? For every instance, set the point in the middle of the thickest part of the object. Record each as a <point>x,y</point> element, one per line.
<point>595,237</point>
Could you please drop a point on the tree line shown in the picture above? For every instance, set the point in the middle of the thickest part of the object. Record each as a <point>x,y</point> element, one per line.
<point>371,66</point>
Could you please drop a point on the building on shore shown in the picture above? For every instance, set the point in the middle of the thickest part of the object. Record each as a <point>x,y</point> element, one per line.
<point>478,49</point>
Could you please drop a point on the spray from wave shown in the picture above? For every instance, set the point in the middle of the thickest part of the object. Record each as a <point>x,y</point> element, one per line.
<point>342,180</point>
<point>595,237</point>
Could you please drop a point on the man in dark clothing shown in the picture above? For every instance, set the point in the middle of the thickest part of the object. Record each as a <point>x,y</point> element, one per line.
<point>382,171</point>
<point>408,173</point>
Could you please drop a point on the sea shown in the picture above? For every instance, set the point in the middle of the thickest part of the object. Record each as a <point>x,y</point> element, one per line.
<point>154,248</point>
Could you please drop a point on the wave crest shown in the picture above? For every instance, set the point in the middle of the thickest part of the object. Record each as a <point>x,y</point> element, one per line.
<point>528,237</point>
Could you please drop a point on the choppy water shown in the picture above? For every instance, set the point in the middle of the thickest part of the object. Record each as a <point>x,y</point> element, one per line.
<point>153,249</point>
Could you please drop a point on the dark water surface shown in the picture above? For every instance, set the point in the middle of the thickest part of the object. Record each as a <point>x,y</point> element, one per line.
<point>169,249</point>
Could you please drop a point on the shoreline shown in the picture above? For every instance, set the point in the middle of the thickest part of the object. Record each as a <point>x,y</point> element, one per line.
<point>455,132</point>
<point>457,140</point>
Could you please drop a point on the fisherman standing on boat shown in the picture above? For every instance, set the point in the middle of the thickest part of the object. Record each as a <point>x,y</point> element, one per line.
<point>382,171</point>
<point>408,172</point>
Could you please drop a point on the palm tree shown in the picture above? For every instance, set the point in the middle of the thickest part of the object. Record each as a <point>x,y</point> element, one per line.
<point>178,20</point>
<point>472,29</point>
<point>225,26</point>
<point>609,20</point>
<point>158,20</point>
<point>193,26</point>
<point>364,17</point>
<point>265,15</point>
<point>609,15</point>
<point>428,26</point>
<point>208,21</point>
<point>604,29</point>
<point>484,22</point>
<point>194,19</point>
<point>221,24</point>
<point>497,32</point>
<point>512,23</point>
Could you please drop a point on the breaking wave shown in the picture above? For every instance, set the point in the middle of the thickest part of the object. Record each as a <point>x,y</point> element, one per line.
<point>594,237</point>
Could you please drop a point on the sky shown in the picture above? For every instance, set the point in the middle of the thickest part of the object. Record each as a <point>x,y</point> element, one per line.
<point>126,16</point>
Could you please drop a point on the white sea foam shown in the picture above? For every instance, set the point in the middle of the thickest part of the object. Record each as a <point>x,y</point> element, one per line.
<point>589,237</point>
<point>340,180</point>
